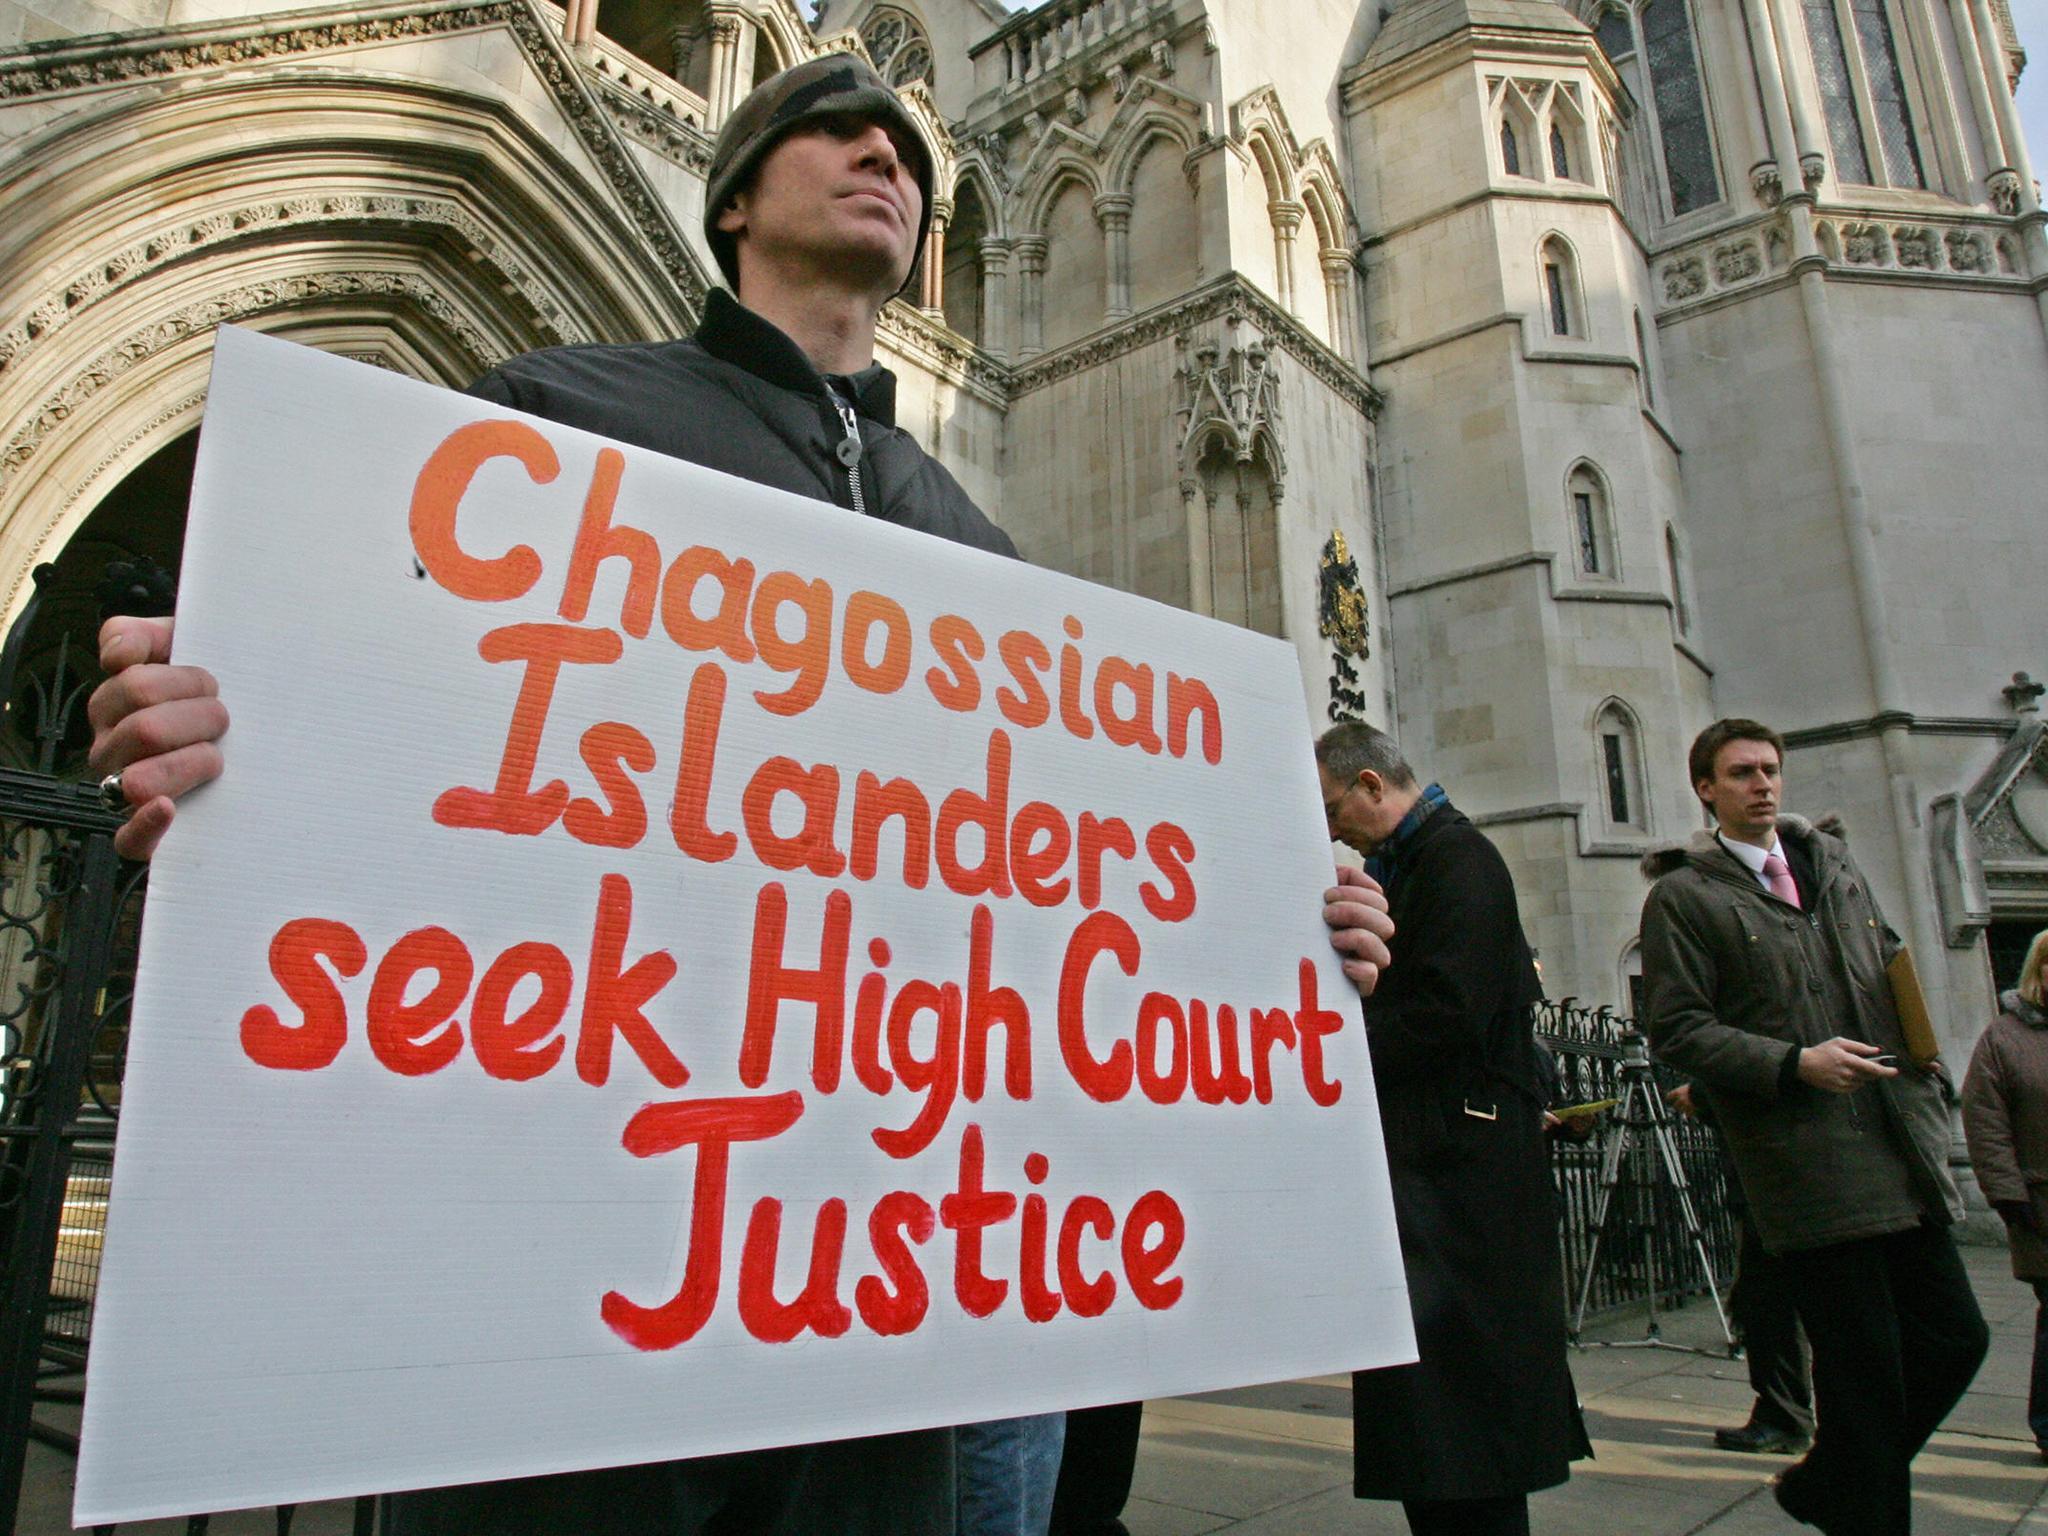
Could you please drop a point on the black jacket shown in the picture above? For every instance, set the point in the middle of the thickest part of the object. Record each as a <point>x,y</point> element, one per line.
<point>1489,1409</point>
<point>740,396</point>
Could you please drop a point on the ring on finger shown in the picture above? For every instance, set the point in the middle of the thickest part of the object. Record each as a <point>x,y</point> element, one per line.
<point>111,794</point>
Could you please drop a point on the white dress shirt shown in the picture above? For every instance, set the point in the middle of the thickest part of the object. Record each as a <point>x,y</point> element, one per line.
<point>1753,857</point>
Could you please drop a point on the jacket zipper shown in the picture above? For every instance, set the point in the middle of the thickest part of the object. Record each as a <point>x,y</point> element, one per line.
<point>850,451</point>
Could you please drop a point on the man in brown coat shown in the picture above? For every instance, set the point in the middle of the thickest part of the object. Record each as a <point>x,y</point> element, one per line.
<point>2005,1117</point>
<point>1764,957</point>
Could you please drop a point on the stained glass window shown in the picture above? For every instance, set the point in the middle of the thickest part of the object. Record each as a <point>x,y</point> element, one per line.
<point>1681,106</point>
<point>1586,521</point>
<point>1560,312</point>
<point>1887,94</point>
<point>1510,150</point>
<point>897,45</point>
<point>1837,93</point>
<point>1560,159</point>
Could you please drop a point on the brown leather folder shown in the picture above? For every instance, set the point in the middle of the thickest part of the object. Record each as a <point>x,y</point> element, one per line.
<point>1911,1004</point>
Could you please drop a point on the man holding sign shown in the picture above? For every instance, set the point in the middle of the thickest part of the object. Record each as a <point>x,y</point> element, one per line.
<point>816,208</point>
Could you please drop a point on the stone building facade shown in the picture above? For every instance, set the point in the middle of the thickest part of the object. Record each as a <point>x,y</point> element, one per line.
<point>1554,374</point>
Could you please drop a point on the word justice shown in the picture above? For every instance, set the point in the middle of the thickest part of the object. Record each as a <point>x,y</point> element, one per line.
<point>1057,1265</point>
<point>938,1041</point>
<point>1124,699</point>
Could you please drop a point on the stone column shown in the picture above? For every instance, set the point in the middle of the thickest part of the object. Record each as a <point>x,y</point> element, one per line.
<point>579,22</point>
<point>1030,253</point>
<point>933,298</point>
<point>2033,223</point>
<point>1286,220</point>
<point>995,312</point>
<point>1201,584</point>
<point>1989,129</point>
<point>1113,213</point>
<point>723,91</point>
<point>1763,48</point>
<point>1337,290</point>
<point>1813,144</point>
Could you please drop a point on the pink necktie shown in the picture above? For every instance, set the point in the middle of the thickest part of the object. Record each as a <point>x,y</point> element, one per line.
<point>1778,876</point>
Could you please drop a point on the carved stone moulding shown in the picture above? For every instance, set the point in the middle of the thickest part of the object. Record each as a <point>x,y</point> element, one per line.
<point>1685,278</point>
<point>1766,183</point>
<point>1736,262</point>
<point>282,219</point>
<point>195,321</point>
<point>2002,187</point>
<point>1934,250</point>
<point>580,97</point>
<point>84,66</point>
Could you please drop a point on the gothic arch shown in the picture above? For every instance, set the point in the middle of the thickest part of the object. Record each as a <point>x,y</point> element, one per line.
<point>1122,152</point>
<point>972,175</point>
<point>1274,163</point>
<point>1561,290</point>
<point>1234,490</point>
<point>333,216</point>
<point>1623,792</point>
<point>1589,522</point>
<point>898,43</point>
<point>1069,159</point>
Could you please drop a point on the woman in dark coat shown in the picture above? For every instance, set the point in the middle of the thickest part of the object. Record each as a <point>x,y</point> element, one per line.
<point>2005,1117</point>
<point>1487,1415</point>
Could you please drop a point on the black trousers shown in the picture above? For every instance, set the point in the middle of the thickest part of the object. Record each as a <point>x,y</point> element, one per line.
<point>1897,1338</point>
<point>1096,1467</point>
<point>1504,1516</point>
<point>1767,1316</point>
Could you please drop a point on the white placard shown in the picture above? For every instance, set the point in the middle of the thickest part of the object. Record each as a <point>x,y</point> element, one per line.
<point>457,1016</point>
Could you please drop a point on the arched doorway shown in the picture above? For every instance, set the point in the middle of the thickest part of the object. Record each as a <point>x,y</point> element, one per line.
<point>124,558</point>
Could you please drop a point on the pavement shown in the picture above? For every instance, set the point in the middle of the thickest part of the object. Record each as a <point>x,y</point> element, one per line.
<point>1276,1460</point>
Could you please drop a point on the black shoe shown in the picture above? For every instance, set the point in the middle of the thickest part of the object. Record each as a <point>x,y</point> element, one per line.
<point>1798,1495</point>
<point>1765,1438</point>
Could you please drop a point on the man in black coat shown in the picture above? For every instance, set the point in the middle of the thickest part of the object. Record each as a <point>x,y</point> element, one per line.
<point>817,205</point>
<point>1487,1415</point>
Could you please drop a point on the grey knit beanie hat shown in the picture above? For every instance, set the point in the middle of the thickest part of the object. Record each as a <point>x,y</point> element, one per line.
<point>838,83</point>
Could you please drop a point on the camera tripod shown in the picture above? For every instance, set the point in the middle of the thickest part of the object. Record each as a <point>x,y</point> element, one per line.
<point>1640,1137</point>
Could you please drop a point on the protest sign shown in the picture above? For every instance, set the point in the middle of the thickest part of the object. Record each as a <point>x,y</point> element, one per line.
<point>672,967</point>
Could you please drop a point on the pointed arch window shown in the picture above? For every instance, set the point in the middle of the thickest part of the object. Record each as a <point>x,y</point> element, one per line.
<point>1618,762</point>
<point>1680,608</point>
<point>1643,363</point>
<point>1510,149</point>
<point>1560,278</point>
<point>1560,157</point>
<point>898,45</point>
<point>1863,93</point>
<point>1592,528</point>
<point>1653,44</point>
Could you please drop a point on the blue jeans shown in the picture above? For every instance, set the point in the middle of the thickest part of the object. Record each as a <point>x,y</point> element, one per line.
<point>2037,1392</point>
<point>1008,1469</point>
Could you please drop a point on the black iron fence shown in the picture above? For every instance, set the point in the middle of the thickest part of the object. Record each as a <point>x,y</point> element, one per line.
<point>1646,1253</point>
